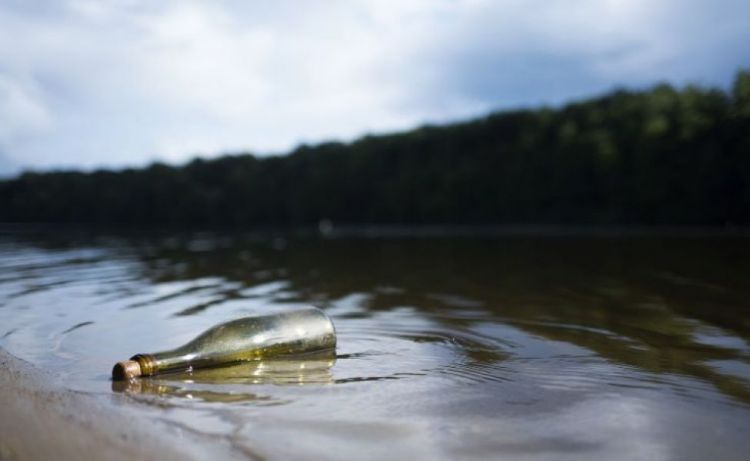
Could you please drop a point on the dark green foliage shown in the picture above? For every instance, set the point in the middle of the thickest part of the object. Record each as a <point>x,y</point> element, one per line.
<point>659,157</point>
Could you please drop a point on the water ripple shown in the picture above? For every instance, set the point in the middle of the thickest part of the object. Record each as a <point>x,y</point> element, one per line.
<point>497,330</point>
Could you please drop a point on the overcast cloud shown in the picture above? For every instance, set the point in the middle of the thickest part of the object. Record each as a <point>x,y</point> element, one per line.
<point>86,83</point>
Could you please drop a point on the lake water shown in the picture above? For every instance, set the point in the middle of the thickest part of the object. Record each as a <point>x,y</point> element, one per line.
<point>466,347</point>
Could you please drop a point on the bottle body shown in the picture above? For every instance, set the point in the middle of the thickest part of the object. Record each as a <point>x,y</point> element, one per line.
<point>249,338</point>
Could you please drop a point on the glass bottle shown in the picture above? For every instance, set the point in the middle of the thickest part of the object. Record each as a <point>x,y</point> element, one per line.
<point>311,368</point>
<point>249,338</point>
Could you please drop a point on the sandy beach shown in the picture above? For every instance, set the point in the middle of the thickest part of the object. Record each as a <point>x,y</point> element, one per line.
<point>41,420</point>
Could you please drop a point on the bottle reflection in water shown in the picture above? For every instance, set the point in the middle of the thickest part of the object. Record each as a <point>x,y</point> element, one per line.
<point>250,338</point>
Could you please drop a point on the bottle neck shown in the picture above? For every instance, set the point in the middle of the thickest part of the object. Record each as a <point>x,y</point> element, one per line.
<point>147,363</point>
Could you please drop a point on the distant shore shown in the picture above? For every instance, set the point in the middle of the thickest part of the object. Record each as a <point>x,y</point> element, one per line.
<point>334,230</point>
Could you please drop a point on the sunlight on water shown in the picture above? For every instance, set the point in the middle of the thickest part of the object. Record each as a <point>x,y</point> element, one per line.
<point>539,347</point>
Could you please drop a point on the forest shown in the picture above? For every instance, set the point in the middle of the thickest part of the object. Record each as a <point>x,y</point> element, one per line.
<point>663,156</point>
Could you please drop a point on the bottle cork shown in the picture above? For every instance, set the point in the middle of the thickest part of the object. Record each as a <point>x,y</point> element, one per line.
<point>126,370</point>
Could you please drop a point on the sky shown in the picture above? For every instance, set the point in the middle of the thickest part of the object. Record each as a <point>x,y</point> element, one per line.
<point>89,84</point>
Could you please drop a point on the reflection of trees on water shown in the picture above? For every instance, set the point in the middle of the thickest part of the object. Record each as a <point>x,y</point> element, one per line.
<point>647,302</point>
<point>662,305</point>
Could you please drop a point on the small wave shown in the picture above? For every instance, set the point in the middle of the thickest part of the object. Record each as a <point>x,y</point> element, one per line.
<point>77,326</point>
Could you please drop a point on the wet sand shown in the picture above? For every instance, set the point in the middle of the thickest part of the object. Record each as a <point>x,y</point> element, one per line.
<point>41,420</point>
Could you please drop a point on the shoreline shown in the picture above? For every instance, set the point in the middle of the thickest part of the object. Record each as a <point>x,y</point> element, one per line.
<point>334,231</point>
<point>43,420</point>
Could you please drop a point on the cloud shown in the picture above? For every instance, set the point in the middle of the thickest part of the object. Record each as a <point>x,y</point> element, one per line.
<point>531,52</point>
<point>21,110</point>
<point>121,83</point>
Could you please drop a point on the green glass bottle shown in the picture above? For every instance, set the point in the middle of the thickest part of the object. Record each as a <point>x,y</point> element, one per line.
<point>249,338</point>
<point>311,368</point>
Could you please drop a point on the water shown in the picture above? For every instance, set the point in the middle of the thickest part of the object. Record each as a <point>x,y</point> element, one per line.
<point>484,347</point>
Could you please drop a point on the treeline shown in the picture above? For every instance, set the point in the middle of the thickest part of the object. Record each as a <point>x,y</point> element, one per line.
<point>658,157</point>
